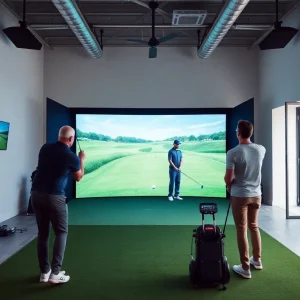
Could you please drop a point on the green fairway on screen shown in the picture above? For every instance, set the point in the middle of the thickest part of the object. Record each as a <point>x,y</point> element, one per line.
<point>4,129</point>
<point>127,155</point>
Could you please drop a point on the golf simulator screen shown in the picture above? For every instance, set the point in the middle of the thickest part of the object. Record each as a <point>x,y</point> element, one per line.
<point>127,155</point>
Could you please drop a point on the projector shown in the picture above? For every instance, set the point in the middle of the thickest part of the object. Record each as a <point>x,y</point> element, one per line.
<point>22,37</point>
<point>278,38</point>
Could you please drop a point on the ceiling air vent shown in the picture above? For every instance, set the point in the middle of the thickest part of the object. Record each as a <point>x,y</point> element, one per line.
<point>188,17</point>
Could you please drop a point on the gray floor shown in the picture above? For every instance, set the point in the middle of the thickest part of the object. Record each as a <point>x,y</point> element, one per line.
<point>272,221</point>
<point>11,244</point>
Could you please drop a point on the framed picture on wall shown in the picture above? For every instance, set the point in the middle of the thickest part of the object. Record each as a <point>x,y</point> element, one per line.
<point>4,133</point>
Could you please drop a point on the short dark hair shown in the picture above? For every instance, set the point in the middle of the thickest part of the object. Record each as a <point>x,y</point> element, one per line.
<point>245,129</point>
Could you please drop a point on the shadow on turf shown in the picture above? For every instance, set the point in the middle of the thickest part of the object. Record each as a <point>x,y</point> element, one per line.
<point>178,284</point>
<point>29,285</point>
<point>175,283</point>
<point>183,283</point>
<point>35,281</point>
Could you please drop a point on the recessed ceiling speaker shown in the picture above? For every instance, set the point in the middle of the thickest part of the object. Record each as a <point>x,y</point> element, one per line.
<point>21,36</point>
<point>279,36</point>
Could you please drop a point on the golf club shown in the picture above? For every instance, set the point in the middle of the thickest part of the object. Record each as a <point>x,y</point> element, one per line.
<point>201,185</point>
<point>78,144</point>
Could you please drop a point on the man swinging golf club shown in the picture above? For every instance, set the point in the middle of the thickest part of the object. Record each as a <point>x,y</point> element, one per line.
<point>175,161</point>
<point>55,163</point>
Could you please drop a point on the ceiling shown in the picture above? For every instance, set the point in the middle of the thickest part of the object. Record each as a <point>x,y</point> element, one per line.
<point>123,20</point>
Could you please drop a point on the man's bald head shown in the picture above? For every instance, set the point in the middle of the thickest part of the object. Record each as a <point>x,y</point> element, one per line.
<point>66,135</point>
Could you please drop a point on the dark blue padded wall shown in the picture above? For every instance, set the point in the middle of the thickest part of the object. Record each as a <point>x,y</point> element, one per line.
<point>58,115</point>
<point>244,111</point>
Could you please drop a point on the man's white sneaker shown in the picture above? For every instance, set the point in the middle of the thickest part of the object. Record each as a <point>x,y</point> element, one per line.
<point>256,264</point>
<point>44,277</point>
<point>59,278</point>
<point>170,198</point>
<point>239,270</point>
<point>178,198</point>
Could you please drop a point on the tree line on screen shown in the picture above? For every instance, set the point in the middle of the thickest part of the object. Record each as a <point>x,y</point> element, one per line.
<point>127,139</point>
<point>202,137</point>
<point>106,138</point>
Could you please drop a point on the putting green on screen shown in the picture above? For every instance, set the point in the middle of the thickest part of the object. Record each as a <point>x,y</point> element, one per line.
<point>145,262</point>
<point>3,141</point>
<point>114,169</point>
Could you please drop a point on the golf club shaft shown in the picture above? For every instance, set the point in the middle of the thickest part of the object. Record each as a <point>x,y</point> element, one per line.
<point>78,144</point>
<point>191,178</point>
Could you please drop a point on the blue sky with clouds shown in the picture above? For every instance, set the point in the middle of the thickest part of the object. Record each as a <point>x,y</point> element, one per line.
<point>152,127</point>
<point>3,126</point>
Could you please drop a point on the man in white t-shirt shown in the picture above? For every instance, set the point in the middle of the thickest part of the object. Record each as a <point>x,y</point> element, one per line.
<point>243,181</point>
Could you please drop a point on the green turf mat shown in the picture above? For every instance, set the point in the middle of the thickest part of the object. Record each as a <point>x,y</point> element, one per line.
<point>145,262</point>
<point>143,211</point>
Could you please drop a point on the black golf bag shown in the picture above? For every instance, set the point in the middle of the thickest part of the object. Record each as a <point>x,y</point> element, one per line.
<point>30,211</point>
<point>210,267</point>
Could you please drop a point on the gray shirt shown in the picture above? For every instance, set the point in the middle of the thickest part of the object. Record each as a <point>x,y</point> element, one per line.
<point>246,160</point>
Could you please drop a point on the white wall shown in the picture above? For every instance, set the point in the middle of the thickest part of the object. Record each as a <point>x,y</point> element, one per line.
<point>21,104</point>
<point>126,77</point>
<point>279,72</point>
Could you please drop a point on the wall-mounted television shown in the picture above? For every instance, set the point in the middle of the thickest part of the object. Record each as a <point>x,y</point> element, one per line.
<point>4,132</point>
<point>126,155</point>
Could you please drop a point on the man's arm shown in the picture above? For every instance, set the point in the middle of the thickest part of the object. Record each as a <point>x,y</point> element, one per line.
<point>170,160</point>
<point>79,174</point>
<point>180,161</point>
<point>229,175</point>
<point>77,166</point>
<point>228,178</point>
<point>171,163</point>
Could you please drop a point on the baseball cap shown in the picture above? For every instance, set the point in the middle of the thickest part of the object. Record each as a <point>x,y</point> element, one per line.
<point>176,142</point>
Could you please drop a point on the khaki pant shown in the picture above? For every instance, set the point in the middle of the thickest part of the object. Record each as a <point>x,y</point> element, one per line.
<point>245,212</point>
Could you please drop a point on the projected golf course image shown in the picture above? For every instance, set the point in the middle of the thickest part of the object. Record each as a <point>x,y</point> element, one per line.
<point>128,155</point>
<point>4,127</point>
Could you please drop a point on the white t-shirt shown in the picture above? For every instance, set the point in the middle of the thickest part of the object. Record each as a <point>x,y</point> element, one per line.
<point>246,160</point>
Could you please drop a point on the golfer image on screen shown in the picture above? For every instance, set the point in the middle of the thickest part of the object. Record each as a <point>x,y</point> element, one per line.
<point>175,161</point>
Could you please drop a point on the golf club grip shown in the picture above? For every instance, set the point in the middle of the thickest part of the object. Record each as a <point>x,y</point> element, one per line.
<point>78,144</point>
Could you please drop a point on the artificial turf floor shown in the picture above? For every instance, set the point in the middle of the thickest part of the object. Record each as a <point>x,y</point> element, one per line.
<point>145,262</point>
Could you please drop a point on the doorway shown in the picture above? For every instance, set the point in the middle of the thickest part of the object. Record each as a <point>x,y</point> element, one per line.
<point>292,159</point>
<point>298,155</point>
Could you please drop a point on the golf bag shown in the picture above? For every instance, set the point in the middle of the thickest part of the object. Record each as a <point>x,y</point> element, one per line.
<point>30,211</point>
<point>210,267</point>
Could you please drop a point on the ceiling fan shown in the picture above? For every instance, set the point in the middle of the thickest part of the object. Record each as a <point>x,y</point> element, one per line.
<point>154,42</point>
